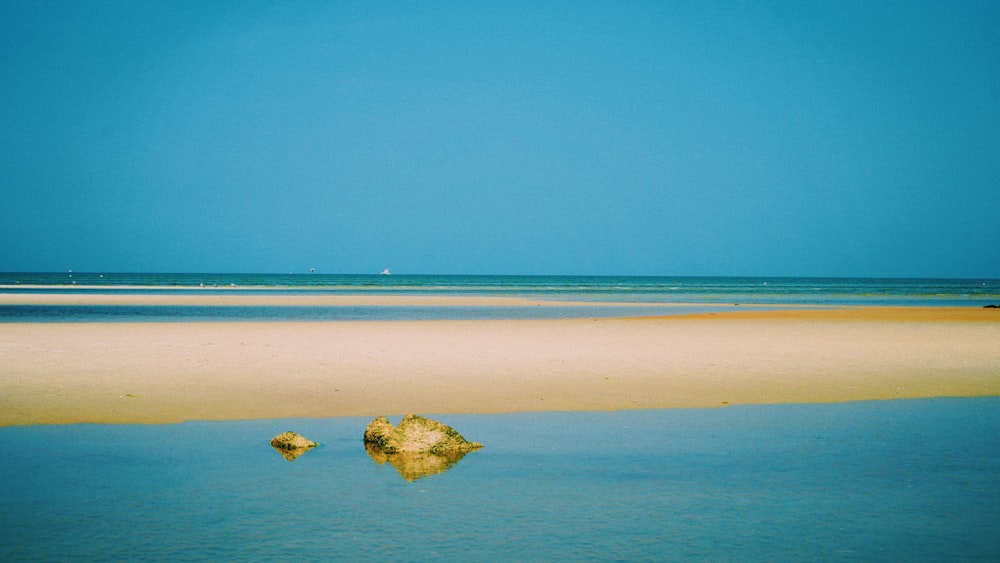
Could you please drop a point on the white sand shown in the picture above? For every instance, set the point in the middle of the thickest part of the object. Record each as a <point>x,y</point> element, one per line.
<point>165,372</point>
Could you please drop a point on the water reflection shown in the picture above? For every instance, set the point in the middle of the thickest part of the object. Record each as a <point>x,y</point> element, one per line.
<point>413,466</point>
<point>291,454</point>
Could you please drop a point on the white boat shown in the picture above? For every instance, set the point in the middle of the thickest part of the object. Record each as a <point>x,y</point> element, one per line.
<point>386,272</point>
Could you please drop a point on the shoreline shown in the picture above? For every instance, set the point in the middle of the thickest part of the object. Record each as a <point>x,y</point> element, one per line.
<point>135,372</point>
<point>225,299</point>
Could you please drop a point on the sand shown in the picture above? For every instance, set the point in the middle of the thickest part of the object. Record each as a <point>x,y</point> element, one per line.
<point>169,372</point>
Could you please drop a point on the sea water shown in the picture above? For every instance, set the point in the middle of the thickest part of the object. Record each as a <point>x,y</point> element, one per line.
<point>880,480</point>
<point>597,296</point>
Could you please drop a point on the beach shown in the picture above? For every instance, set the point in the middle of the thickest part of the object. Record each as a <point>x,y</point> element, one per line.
<point>684,431</point>
<point>162,372</point>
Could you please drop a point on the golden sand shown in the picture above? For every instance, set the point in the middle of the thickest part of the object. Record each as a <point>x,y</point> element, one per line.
<point>166,372</point>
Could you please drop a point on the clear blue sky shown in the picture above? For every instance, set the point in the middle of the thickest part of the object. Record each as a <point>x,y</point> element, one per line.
<point>663,138</point>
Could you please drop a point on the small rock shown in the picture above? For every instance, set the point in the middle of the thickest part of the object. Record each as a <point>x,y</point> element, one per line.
<point>291,445</point>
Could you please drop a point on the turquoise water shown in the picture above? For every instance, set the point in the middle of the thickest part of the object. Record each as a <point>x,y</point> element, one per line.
<point>614,288</point>
<point>608,296</point>
<point>168,313</point>
<point>892,480</point>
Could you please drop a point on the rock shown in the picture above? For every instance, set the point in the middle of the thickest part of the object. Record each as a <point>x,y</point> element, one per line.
<point>291,441</point>
<point>292,445</point>
<point>416,434</point>
<point>991,306</point>
<point>418,447</point>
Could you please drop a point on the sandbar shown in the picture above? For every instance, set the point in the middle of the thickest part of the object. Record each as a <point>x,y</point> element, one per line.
<point>57,373</point>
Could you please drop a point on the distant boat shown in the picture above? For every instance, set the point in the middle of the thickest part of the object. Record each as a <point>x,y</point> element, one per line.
<point>386,272</point>
<point>311,270</point>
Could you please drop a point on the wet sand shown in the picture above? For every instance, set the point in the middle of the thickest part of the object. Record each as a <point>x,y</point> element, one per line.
<point>168,372</point>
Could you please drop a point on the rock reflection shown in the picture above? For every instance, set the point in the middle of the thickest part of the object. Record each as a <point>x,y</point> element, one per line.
<point>291,454</point>
<point>413,466</point>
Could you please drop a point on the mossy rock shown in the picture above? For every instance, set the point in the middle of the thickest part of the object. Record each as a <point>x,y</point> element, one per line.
<point>291,445</point>
<point>416,434</point>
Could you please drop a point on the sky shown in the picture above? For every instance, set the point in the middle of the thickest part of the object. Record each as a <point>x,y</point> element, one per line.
<point>761,138</point>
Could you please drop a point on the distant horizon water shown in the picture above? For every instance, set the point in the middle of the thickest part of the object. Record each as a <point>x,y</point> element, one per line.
<point>769,289</point>
<point>571,296</point>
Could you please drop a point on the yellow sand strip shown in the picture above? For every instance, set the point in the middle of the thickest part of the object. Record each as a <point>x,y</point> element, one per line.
<point>164,372</point>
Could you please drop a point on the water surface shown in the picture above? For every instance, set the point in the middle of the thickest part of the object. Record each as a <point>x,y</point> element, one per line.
<point>655,289</point>
<point>884,480</point>
<point>601,296</point>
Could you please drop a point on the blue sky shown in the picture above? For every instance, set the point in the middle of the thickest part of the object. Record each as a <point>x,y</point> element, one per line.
<point>632,138</point>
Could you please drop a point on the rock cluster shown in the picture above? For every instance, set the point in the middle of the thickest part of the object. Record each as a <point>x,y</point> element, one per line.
<point>417,447</point>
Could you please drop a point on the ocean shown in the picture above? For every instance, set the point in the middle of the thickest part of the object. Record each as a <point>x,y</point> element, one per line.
<point>606,295</point>
<point>904,480</point>
<point>872,480</point>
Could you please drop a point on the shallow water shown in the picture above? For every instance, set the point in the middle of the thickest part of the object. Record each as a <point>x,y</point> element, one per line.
<point>913,479</point>
<point>213,313</point>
